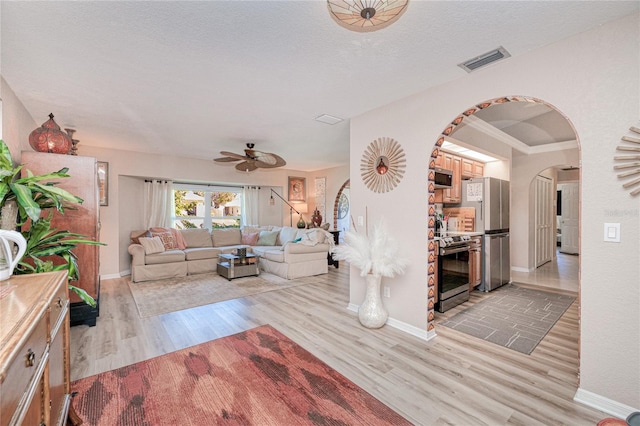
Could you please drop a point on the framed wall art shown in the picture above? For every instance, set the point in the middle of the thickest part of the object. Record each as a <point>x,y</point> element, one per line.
<point>297,189</point>
<point>103,182</point>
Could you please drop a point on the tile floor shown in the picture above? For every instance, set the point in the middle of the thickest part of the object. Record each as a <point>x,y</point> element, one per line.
<point>561,274</point>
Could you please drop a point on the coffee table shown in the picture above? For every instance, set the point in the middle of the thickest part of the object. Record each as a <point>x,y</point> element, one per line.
<point>231,266</point>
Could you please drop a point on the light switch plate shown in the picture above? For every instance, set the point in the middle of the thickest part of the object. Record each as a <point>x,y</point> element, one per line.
<point>612,232</point>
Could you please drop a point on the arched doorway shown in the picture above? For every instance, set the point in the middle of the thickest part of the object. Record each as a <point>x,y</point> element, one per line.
<point>469,118</point>
<point>342,209</point>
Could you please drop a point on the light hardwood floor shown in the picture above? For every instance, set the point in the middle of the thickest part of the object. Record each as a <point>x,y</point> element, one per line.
<point>453,379</point>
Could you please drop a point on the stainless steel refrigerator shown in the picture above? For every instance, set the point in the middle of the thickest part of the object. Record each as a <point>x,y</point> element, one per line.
<point>490,197</point>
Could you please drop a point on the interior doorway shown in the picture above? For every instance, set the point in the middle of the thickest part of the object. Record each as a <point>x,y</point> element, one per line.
<point>568,217</point>
<point>520,130</point>
<point>544,220</point>
<point>342,210</point>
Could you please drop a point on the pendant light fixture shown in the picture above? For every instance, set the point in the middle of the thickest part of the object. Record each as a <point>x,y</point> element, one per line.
<point>366,15</point>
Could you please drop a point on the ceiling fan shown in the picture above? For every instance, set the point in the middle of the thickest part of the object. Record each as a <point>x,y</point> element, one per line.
<point>252,159</point>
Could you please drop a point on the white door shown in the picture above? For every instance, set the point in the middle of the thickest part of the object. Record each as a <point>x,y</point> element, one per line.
<point>569,221</point>
<point>545,234</point>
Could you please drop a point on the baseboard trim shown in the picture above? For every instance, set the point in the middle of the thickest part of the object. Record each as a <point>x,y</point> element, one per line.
<point>111,276</point>
<point>402,326</point>
<point>602,403</point>
<point>519,269</point>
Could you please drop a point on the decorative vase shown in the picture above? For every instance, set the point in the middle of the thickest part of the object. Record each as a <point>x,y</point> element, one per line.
<point>372,313</point>
<point>316,218</point>
<point>301,223</point>
<point>49,138</point>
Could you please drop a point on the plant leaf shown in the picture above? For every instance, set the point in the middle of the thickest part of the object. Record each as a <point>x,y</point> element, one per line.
<point>86,297</point>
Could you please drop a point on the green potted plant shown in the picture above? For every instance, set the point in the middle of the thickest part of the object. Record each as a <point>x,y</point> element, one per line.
<point>30,195</point>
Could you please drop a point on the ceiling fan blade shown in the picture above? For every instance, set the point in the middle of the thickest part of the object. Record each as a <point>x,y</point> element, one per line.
<point>268,160</point>
<point>225,159</point>
<point>233,155</point>
<point>246,166</point>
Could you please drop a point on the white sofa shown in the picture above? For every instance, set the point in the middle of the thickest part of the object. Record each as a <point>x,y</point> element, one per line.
<point>290,252</point>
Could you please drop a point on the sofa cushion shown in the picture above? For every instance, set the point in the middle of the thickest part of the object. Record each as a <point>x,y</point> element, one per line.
<point>286,235</point>
<point>252,229</point>
<point>199,253</point>
<point>151,245</point>
<point>226,237</point>
<point>251,238</point>
<point>274,255</point>
<point>168,256</point>
<point>136,235</point>
<point>197,237</point>
<point>267,238</point>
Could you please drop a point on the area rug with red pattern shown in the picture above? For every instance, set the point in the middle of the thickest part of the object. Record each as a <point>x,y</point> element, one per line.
<point>257,377</point>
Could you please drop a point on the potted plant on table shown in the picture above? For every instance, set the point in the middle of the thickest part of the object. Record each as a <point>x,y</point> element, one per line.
<point>22,199</point>
<point>376,256</point>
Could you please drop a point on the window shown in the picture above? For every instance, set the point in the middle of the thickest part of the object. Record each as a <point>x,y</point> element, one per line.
<point>191,211</point>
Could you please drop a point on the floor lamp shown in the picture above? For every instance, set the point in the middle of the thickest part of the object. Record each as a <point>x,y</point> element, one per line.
<point>272,202</point>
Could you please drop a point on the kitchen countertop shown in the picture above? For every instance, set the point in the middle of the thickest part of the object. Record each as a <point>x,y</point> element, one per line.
<point>471,234</point>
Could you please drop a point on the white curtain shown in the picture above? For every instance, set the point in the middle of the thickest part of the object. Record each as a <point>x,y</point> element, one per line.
<point>158,203</point>
<point>250,205</point>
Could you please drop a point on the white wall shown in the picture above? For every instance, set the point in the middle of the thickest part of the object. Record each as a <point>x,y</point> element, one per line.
<point>17,123</point>
<point>592,78</point>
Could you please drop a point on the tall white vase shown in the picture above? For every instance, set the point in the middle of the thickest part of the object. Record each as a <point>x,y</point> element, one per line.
<point>372,313</point>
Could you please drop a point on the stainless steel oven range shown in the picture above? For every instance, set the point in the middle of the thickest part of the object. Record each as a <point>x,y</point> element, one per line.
<point>453,271</point>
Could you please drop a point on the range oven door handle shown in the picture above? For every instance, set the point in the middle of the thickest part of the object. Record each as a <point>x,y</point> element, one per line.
<point>446,251</point>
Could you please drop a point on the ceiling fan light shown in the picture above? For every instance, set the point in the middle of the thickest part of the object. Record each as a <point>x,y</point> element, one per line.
<point>358,15</point>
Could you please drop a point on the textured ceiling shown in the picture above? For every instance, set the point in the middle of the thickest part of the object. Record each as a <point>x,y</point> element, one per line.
<point>195,78</point>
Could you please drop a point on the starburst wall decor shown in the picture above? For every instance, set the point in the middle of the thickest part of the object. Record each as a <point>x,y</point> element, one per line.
<point>382,165</point>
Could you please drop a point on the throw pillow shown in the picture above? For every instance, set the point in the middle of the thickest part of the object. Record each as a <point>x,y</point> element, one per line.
<point>267,238</point>
<point>167,239</point>
<point>250,239</point>
<point>151,245</point>
<point>178,238</point>
<point>135,239</point>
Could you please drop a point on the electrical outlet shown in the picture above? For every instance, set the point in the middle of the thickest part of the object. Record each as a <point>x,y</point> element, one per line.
<point>387,291</point>
<point>360,220</point>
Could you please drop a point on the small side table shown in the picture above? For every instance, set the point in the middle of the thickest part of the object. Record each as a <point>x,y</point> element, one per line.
<point>231,266</point>
<point>336,240</point>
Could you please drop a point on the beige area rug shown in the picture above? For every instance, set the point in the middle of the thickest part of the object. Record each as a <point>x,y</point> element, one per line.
<point>175,294</point>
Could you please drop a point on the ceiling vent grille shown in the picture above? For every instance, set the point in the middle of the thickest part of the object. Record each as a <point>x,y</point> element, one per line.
<point>485,59</point>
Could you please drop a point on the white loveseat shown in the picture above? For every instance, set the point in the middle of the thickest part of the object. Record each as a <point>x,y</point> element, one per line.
<point>284,251</point>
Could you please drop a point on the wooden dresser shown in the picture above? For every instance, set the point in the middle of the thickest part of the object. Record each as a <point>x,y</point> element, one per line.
<point>34,350</point>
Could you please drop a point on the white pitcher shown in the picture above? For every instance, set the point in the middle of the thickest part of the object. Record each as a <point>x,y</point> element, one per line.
<point>7,260</point>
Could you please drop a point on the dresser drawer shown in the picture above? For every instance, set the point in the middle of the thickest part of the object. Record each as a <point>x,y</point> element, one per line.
<point>58,308</point>
<point>22,369</point>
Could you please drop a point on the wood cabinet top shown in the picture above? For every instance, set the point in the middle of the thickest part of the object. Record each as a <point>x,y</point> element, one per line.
<point>25,300</point>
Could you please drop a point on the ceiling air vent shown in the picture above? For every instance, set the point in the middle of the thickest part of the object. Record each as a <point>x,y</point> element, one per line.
<point>484,59</point>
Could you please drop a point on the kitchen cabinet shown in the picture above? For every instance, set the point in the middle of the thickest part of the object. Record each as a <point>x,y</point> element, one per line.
<point>462,168</point>
<point>471,168</point>
<point>85,220</point>
<point>34,350</point>
<point>453,194</point>
<point>475,263</point>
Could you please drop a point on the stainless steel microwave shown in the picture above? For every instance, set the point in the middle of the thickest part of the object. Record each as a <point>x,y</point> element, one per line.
<point>443,178</point>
